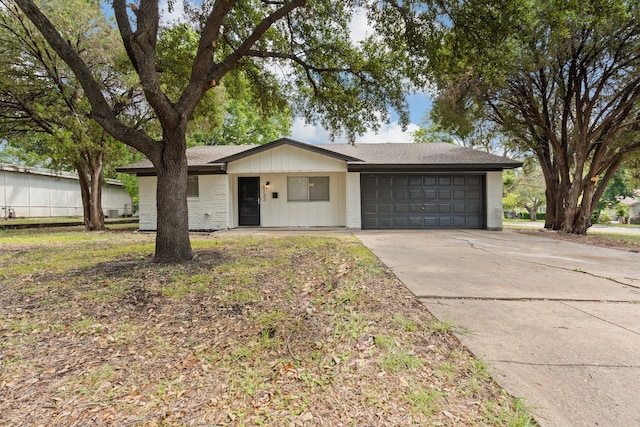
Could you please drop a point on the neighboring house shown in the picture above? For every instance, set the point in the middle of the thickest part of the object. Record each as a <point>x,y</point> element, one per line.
<point>633,203</point>
<point>287,183</point>
<point>33,192</point>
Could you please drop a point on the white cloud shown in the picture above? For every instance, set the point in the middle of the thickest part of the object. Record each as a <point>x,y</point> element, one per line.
<point>176,14</point>
<point>359,26</point>
<point>391,132</point>
<point>315,134</point>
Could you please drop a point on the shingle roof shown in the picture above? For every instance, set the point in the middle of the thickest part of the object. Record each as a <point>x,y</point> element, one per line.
<point>420,154</point>
<point>362,157</point>
<point>196,157</point>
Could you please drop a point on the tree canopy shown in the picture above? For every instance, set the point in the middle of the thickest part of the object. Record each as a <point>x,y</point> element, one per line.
<point>43,113</point>
<point>326,78</point>
<point>563,83</point>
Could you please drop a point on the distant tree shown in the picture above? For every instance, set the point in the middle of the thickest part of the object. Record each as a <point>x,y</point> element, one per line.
<point>245,124</point>
<point>526,190</point>
<point>479,134</point>
<point>344,86</point>
<point>632,167</point>
<point>43,113</point>
<point>563,83</point>
<point>430,132</point>
<point>618,188</point>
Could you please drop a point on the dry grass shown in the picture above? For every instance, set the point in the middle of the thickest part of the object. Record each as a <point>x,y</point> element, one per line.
<point>256,331</point>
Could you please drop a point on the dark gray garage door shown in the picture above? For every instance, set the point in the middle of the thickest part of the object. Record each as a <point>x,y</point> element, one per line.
<point>422,201</point>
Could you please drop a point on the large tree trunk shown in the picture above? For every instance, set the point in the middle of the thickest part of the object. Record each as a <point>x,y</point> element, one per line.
<point>553,217</point>
<point>96,219</point>
<point>172,238</point>
<point>90,177</point>
<point>84,192</point>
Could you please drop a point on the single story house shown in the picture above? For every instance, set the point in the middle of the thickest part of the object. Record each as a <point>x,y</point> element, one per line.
<point>32,192</point>
<point>633,203</point>
<point>287,183</point>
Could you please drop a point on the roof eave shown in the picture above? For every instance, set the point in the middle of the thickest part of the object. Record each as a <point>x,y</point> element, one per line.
<point>208,169</point>
<point>287,141</point>
<point>453,167</point>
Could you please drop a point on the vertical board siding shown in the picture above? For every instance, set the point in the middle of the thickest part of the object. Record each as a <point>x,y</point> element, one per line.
<point>274,166</point>
<point>286,159</point>
<point>278,212</point>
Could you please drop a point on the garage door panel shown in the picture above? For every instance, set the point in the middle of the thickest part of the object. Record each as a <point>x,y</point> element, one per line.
<point>444,194</point>
<point>473,222</point>
<point>415,221</point>
<point>429,181</point>
<point>474,208</point>
<point>445,222</point>
<point>401,208</point>
<point>473,195</point>
<point>400,180</point>
<point>460,181</point>
<point>459,221</point>
<point>459,195</point>
<point>416,208</point>
<point>399,195</point>
<point>459,208</point>
<point>415,180</point>
<point>444,207</point>
<point>416,194</point>
<point>414,201</point>
<point>400,222</point>
<point>386,222</point>
<point>474,180</point>
<point>430,222</point>
<point>444,180</point>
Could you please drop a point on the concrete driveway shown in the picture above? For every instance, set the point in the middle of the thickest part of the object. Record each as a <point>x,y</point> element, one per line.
<point>558,323</point>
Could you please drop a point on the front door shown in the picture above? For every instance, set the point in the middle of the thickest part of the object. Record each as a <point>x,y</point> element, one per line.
<point>249,200</point>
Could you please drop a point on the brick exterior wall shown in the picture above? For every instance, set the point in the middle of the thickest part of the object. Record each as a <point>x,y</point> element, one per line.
<point>147,203</point>
<point>208,211</point>
<point>494,200</point>
<point>354,218</point>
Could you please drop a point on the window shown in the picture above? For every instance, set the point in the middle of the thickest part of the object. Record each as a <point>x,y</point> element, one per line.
<point>308,188</point>
<point>192,186</point>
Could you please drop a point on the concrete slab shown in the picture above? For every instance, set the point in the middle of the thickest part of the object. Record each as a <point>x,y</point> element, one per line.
<point>557,322</point>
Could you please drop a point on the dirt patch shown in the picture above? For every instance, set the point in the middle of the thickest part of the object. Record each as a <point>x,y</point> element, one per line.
<point>593,239</point>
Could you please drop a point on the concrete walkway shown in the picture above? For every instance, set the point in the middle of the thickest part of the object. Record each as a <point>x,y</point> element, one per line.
<point>558,323</point>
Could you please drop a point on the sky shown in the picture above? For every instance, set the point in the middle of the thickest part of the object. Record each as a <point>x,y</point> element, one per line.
<point>419,104</point>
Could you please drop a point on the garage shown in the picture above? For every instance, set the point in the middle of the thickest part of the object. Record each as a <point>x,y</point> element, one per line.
<point>422,201</point>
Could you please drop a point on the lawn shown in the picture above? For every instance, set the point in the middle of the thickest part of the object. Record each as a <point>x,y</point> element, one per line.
<point>257,330</point>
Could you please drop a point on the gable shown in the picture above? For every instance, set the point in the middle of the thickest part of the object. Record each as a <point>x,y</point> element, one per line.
<point>286,158</point>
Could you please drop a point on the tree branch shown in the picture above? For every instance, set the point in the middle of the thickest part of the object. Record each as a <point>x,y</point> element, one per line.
<point>101,110</point>
<point>232,59</point>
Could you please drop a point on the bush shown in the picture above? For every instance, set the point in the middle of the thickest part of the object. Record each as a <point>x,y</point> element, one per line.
<point>540,216</point>
<point>604,218</point>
